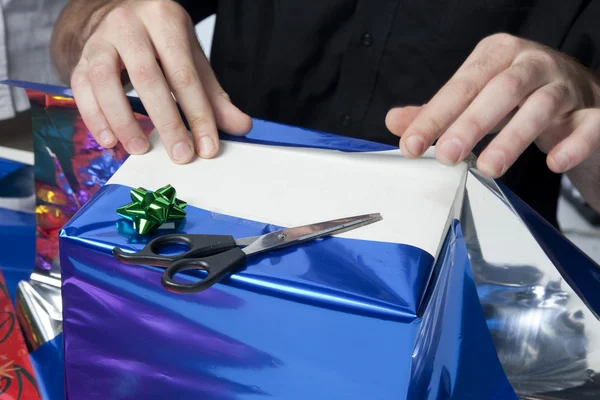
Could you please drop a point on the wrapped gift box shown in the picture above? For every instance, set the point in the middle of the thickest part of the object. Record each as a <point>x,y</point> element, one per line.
<point>462,290</point>
<point>386,311</point>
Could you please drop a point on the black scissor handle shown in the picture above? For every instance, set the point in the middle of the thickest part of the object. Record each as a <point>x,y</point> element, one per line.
<point>198,246</point>
<point>217,267</point>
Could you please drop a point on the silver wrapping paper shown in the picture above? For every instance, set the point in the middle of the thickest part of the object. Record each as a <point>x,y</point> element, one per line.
<point>547,339</point>
<point>39,306</point>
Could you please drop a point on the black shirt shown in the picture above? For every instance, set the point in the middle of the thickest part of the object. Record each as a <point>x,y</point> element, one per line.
<point>339,65</point>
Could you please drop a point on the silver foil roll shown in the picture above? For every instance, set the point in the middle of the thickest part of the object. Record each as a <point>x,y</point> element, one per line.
<point>39,306</point>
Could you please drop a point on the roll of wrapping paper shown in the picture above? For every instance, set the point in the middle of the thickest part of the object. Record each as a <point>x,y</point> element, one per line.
<point>39,306</point>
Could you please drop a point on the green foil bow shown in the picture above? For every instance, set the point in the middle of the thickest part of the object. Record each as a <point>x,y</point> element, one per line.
<point>149,210</point>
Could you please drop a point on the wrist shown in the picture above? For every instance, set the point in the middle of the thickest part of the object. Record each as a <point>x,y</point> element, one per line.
<point>74,26</point>
<point>97,15</point>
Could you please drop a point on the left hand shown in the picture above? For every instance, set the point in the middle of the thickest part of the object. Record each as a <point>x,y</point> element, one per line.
<point>554,99</point>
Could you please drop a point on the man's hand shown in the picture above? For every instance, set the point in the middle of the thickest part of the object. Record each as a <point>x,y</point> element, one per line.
<point>155,42</point>
<point>555,102</point>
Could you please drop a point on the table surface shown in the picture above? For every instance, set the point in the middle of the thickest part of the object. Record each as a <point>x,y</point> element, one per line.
<point>25,157</point>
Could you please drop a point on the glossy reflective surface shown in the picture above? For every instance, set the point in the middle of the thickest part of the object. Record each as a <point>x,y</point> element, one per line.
<point>344,270</point>
<point>539,302</point>
<point>17,247</point>
<point>328,319</point>
<point>39,309</point>
<point>48,364</point>
<point>547,338</point>
<point>454,357</point>
<point>17,222</point>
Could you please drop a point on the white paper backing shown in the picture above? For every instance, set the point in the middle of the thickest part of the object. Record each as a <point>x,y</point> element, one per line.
<point>294,186</point>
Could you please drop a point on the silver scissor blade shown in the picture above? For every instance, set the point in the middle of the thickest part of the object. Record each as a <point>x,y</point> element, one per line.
<point>300,234</point>
<point>247,241</point>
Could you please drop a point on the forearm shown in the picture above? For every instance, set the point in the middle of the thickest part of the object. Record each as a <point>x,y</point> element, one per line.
<point>74,26</point>
<point>586,178</point>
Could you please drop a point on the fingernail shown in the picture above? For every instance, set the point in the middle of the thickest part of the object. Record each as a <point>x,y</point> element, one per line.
<point>207,147</point>
<point>561,159</point>
<point>137,145</point>
<point>415,145</point>
<point>493,163</point>
<point>106,138</point>
<point>181,151</point>
<point>450,151</point>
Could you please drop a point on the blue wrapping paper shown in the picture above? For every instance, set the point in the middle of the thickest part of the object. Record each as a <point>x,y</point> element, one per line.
<point>17,227</point>
<point>48,365</point>
<point>9,166</point>
<point>302,325</point>
<point>17,247</point>
<point>16,179</point>
<point>454,357</point>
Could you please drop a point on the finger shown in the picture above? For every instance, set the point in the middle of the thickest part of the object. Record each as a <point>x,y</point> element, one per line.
<point>399,118</point>
<point>533,118</point>
<point>90,111</point>
<point>497,99</point>
<point>229,118</point>
<point>581,144</point>
<point>487,60</point>
<point>138,55</point>
<point>174,51</point>
<point>103,73</point>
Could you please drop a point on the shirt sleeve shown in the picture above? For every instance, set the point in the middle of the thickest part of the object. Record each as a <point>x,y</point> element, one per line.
<point>199,9</point>
<point>582,42</point>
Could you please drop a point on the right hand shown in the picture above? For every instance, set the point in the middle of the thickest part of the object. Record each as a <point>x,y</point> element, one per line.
<point>137,35</point>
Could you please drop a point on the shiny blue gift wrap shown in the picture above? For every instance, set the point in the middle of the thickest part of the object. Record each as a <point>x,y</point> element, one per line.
<point>48,363</point>
<point>17,227</point>
<point>308,322</point>
<point>16,179</point>
<point>337,318</point>
<point>9,166</point>
<point>17,247</point>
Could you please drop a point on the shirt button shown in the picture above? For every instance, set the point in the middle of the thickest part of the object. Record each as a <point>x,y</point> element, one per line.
<point>346,120</point>
<point>367,40</point>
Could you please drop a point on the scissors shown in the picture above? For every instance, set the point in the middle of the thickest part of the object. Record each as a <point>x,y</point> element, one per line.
<point>221,255</point>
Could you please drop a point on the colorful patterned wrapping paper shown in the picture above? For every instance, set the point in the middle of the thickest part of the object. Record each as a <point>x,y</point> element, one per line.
<point>70,167</point>
<point>17,377</point>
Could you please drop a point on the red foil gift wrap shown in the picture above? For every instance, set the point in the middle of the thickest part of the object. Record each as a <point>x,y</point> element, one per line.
<point>17,379</point>
<point>70,167</point>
